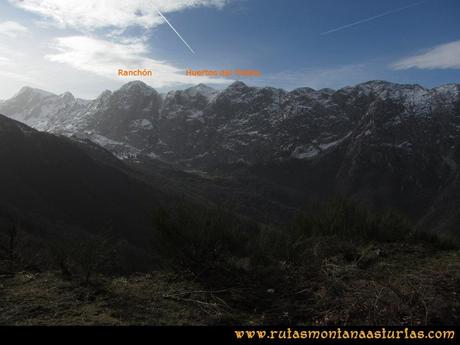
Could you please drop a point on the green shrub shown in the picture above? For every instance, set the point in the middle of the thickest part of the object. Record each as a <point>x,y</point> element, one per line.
<point>346,219</point>
<point>197,237</point>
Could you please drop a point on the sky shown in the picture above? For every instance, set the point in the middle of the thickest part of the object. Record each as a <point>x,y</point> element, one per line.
<point>79,45</point>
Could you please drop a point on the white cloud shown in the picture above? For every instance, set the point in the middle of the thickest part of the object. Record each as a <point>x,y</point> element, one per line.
<point>12,29</point>
<point>104,58</point>
<point>444,56</point>
<point>96,14</point>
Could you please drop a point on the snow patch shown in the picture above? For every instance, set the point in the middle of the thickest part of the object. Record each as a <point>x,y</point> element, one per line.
<point>141,124</point>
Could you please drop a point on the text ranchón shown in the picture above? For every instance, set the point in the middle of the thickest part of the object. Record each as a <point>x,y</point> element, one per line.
<point>135,73</point>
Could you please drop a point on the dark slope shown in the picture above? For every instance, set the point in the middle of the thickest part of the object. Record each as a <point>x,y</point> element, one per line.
<point>53,179</point>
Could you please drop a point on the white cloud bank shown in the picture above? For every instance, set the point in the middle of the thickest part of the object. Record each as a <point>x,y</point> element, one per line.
<point>445,56</point>
<point>12,29</point>
<point>99,48</point>
<point>104,58</point>
<point>96,14</point>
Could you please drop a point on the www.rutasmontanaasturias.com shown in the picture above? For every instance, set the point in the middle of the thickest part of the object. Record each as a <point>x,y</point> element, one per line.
<point>344,334</point>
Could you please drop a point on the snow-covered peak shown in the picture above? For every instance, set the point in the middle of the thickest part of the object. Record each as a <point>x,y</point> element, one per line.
<point>201,89</point>
<point>29,91</point>
<point>303,90</point>
<point>104,95</point>
<point>327,91</point>
<point>377,84</point>
<point>385,89</point>
<point>414,98</point>
<point>236,91</point>
<point>448,89</point>
<point>137,86</point>
<point>67,97</point>
<point>237,85</point>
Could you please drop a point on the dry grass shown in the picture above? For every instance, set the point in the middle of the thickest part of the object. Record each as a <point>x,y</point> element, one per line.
<point>380,284</point>
<point>45,299</point>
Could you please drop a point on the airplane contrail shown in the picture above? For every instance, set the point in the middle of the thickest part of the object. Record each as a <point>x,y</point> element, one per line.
<point>384,14</point>
<point>177,33</point>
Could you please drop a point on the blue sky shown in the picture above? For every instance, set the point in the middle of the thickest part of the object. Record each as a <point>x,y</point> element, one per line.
<point>78,45</point>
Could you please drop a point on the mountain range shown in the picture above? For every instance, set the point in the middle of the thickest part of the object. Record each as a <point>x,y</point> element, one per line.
<point>269,151</point>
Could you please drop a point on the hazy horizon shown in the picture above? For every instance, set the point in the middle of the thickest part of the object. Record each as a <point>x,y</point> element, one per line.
<point>218,88</point>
